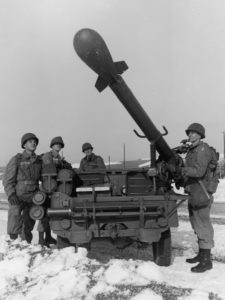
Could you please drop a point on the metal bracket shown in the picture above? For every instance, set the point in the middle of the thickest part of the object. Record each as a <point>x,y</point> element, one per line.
<point>139,135</point>
<point>160,134</point>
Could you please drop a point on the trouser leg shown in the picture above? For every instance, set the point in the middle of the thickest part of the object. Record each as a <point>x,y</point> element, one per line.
<point>191,216</point>
<point>43,224</point>
<point>28,224</point>
<point>48,237</point>
<point>42,229</point>
<point>15,220</point>
<point>203,227</point>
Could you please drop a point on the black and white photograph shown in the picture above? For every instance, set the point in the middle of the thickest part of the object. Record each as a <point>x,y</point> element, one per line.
<point>112,169</point>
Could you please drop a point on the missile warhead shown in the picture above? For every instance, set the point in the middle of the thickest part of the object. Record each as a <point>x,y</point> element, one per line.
<point>92,49</point>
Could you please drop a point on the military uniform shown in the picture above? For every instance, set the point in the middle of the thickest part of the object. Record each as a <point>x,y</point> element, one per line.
<point>91,162</point>
<point>199,170</point>
<point>196,168</point>
<point>50,158</point>
<point>21,178</point>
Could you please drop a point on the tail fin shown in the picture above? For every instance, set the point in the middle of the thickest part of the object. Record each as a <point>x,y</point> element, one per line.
<point>103,80</point>
<point>120,66</point>
<point>101,84</point>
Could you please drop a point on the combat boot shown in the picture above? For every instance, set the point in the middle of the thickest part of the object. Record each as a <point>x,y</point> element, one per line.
<point>13,236</point>
<point>49,240</point>
<point>205,262</point>
<point>195,259</point>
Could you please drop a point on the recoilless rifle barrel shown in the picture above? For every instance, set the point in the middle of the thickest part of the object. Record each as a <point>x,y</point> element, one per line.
<point>92,49</point>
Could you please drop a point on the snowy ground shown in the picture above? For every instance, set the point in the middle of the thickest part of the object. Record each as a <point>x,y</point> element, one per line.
<point>30,272</point>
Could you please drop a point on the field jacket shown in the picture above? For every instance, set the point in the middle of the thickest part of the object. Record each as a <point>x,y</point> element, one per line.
<point>91,162</point>
<point>56,159</point>
<point>22,175</point>
<point>196,170</point>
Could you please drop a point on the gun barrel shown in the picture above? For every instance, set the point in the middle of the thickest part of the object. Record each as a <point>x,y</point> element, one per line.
<point>139,115</point>
<point>92,49</point>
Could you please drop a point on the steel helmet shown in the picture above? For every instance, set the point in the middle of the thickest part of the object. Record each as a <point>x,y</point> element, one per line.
<point>28,136</point>
<point>57,140</point>
<point>86,146</point>
<point>197,128</point>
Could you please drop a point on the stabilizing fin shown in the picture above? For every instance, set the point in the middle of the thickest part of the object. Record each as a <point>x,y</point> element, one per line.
<point>105,78</point>
<point>101,84</point>
<point>120,66</point>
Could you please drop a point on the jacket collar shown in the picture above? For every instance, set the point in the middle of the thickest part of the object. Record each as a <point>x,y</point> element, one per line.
<point>196,144</point>
<point>55,154</point>
<point>90,157</point>
<point>27,155</point>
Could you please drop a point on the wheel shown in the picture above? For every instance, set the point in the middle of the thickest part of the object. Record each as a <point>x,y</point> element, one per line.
<point>63,242</point>
<point>162,250</point>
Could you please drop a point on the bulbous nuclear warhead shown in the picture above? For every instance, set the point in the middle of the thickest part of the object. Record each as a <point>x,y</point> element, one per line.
<point>92,49</point>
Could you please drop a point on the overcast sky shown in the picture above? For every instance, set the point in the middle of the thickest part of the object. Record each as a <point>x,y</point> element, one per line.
<point>175,50</point>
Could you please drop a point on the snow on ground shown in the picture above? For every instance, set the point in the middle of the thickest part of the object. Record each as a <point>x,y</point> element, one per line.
<point>29,272</point>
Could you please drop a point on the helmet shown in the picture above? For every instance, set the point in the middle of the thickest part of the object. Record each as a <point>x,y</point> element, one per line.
<point>57,140</point>
<point>86,146</point>
<point>197,128</point>
<point>28,136</point>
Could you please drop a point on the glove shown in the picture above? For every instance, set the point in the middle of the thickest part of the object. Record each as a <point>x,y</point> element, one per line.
<point>13,200</point>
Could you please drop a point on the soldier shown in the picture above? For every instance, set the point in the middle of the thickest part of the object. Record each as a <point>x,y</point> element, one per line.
<point>52,157</point>
<point>21,181</point>
<point>196,172</point>
<point>90,161</point>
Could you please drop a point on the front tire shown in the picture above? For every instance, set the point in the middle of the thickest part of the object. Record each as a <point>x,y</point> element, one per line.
<point>162,250</point>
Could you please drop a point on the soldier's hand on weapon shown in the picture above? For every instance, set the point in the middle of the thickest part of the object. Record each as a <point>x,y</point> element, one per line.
<point>183,148</point>
<point>13,199</point>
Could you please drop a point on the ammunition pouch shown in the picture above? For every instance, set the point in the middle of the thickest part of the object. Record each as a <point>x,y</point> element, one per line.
<point>212,181</point>
<point>212,185</point>
<point>200,204</point>
<point>199,196</point>
<point>198,207</point>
